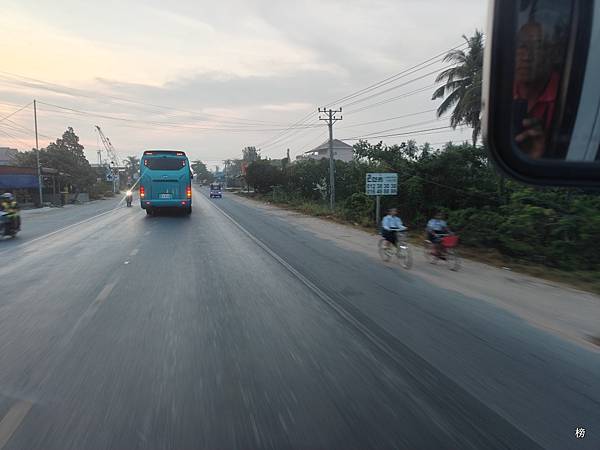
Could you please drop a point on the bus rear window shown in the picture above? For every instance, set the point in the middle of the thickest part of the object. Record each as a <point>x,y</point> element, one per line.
<point>164,163</point>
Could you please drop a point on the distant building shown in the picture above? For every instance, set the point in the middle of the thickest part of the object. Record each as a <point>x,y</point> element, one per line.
<point>8,156</point>
<point>341,152</point>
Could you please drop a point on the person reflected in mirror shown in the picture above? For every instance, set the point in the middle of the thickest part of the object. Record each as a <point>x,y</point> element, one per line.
<point>535,90</point>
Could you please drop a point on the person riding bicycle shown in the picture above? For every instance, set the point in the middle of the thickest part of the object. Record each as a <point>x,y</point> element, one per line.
<point>390,224</point>
<point>436,229</point>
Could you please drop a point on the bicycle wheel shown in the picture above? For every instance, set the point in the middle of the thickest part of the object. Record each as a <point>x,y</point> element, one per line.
<point>385,252</point>
<point>428,252</point>
<point>405,255</point>
<point>452,259</point>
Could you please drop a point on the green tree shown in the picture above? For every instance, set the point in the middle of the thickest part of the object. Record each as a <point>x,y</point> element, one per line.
<point>201,172</point>
<point>262,176</point>
<point>462,85</point>
<point>67,156</point>
<point>250,154</point>
<point>132,164</point>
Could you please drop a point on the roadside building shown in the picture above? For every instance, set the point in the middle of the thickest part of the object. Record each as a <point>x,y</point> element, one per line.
<point>8,156</point>
<point>341,152</point>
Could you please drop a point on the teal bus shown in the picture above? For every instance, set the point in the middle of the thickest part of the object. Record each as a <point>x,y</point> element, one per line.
<point>165,181</point>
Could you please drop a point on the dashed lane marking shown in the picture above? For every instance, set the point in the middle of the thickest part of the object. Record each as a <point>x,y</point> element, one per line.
<point>11,421</point>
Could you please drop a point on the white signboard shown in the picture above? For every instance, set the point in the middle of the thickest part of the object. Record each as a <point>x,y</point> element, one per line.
<point>382,184</point>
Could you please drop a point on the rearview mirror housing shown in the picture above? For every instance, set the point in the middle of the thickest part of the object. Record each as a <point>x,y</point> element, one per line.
<point>541,90</point>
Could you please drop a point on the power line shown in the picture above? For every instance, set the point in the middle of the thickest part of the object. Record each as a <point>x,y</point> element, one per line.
<point>427,122</point>
<point>15,112</point>
<point>61,89</point>
<point>390,118</point>
<point>386,81</point>
<point>415,132</point>
<point>279,137</point>
<point>394,77</point>
<point>164,124</point>
<point>23,129</point>
<point>14,138</point>
<point>312,142</point>
<point>392,99</point>
<point>377,94</point>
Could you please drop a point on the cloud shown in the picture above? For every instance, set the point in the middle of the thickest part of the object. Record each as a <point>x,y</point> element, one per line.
<point>255,59</point>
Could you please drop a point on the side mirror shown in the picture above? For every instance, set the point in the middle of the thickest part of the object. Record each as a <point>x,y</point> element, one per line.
<point>541,90</point>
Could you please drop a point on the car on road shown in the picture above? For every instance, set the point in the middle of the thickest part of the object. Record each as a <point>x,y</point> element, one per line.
<point>165,181</point>
<point>216,190</point>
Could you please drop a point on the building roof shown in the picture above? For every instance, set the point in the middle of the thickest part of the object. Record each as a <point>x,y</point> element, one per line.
<point>8,154</point>
<point>337,145</point>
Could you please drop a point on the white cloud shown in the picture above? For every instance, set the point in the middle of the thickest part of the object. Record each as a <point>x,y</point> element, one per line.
<point>256,59</point>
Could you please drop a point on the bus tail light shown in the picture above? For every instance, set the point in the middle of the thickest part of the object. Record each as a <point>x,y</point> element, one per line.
<point>188,191</point>
<point>142,192</point>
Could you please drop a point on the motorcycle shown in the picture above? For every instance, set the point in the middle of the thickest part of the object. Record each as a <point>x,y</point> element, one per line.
<point>129,198</point>
<point>7,225</point>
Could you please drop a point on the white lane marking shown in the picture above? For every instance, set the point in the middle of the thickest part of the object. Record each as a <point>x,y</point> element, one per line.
<point>105,292</point>
<point>328,300</point>
<point>147,233</point>
<point>134,252</point>
<point>126,262</point>
<point>89,312</point>
<point>60,230</point>
<point>11,421</point>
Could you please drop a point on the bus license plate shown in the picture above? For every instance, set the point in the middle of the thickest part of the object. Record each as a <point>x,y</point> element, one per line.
<point>166,195</point>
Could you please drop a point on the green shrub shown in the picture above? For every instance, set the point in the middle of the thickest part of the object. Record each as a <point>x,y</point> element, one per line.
<point>358,207</point>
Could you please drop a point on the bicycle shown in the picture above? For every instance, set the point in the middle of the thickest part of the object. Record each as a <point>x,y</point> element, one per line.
<point>401,250</point>
<point>448,254</point>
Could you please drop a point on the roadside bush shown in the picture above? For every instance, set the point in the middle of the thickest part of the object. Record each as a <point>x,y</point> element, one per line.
<point>556,227</point>
<point>358,206</point>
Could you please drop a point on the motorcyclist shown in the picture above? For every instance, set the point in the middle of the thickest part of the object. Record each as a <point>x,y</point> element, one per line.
<point>129,196</point>
<point>9,204</point>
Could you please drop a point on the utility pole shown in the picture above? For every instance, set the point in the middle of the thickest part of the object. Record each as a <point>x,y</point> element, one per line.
<point>37,154</point>
<point>331,119</point>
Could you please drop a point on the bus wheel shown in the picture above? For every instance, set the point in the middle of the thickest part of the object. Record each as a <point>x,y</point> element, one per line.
<point>148,211</point>
<point>188,210</point>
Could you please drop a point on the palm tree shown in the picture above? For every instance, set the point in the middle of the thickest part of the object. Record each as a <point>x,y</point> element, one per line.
<point>133,165</point>
<point>462,85</point>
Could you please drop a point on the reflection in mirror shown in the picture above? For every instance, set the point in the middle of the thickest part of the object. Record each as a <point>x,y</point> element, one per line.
<point>541,43</point>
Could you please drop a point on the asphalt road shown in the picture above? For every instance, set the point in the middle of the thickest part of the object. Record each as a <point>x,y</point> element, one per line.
<point>232,328</point>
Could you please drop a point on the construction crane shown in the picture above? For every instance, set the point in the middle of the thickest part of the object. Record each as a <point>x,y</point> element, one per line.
<point>112,165</point>
<point>110,150</point>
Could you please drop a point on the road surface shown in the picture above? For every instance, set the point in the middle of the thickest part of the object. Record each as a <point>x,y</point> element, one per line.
<point>233,328</point>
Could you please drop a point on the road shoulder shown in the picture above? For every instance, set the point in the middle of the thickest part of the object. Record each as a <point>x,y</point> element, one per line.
<point>567,312</point>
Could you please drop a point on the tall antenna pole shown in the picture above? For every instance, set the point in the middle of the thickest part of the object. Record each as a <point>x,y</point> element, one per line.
<point>37,154</point>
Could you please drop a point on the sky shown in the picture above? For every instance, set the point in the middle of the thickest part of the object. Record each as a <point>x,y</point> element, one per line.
<point>211,78</point>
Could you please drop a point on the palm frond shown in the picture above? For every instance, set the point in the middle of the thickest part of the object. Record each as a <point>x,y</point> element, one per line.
<point>448,102</point>
<point>461,85</point>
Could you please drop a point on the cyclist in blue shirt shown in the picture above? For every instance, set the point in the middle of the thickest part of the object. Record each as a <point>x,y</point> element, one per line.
<point>436,227</point>
<point>390,224</point>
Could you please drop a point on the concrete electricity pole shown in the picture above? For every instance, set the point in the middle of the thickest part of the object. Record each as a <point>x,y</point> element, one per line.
<point>331,119</point>
<point>37,154</point>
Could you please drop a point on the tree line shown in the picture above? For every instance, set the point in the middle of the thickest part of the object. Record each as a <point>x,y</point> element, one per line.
<point>558,227</point>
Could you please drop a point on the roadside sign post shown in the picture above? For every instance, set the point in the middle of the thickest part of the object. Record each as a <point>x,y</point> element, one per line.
<point>379,184</point>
